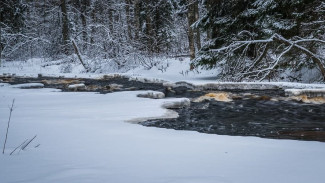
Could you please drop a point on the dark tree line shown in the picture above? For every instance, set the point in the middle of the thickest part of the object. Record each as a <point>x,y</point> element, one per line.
<point>244,39</point>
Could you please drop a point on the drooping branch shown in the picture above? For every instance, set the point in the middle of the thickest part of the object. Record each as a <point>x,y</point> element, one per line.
<point>276,62</point>
<point>260,58</point>
<point>79,56</point>
<point>276,44</point>
<point>314,57</point>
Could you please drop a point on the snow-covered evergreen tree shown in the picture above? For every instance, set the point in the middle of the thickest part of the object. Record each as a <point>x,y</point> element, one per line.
<point>263,39</point>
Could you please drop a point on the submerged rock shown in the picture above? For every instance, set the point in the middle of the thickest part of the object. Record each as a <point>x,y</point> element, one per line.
<point>61,81</point>
<point>222,97</point>
<point>306,99</point>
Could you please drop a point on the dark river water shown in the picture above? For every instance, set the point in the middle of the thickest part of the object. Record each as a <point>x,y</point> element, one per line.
<point>257,116</point>
<point>251,117</point>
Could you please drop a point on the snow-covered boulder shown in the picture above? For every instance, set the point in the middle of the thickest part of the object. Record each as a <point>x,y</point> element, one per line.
<point>76,87</point>
<point>184,102</point>
<point>152,94</point>
<point>28,85</point>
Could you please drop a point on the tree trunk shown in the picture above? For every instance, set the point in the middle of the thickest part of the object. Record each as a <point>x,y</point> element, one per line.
<point>149,27</point>
<point>209,4</point>
<point>110,18</point>
<point>65,27</point>
<point>190,19</point>
<point>84,5</point>
<point>128,17</point>
<point>197,30</point>
<point>79,55</point>
<point>137,18</point>
<point>93,18</point>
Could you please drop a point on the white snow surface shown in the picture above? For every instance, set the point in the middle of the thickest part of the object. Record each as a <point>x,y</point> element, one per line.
<point>84,138</point>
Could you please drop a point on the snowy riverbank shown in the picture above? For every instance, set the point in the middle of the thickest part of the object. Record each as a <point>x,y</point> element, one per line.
<point>93,143</point>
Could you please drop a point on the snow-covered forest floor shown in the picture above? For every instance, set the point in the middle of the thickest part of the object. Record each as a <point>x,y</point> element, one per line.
<point>88,137</point>
<point>161,70</point>
<point>164,68</point>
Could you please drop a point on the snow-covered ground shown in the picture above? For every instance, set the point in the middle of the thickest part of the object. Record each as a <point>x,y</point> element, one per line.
<point>167,70</point>
<point>83,137</point>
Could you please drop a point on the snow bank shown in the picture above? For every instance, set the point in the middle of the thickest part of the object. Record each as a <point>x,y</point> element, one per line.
<point>83,138</point>
<point>3,84</point>
<point>28,85</point>
<point>307,92</point>
<point>208,85</point>
<point>147,80</point>
<point>152,94</point>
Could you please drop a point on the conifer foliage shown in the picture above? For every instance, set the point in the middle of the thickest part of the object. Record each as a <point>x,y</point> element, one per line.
<point>263,39</point>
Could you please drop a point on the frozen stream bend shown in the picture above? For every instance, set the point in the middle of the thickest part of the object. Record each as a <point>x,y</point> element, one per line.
<point>83,138</point>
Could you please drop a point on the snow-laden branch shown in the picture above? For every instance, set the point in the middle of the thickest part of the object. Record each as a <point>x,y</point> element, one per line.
<point>256,41</point>
<point>21,45</point>
<point>316,59</point>
<point>276,62</point>
<point>231,46</point>
<point>264,50</point>
<point>309,40</point>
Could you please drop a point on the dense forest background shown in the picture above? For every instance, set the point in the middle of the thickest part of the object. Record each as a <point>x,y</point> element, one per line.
<point>242,39</point>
